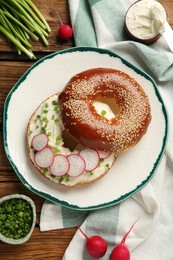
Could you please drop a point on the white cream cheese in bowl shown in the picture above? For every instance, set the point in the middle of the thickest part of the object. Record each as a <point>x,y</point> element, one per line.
<point>145,21</point>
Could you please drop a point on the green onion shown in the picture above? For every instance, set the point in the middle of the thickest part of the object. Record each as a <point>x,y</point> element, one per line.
<point>58,139</point>
<point>103,112</point>
<point>23,27</point>
<point>15,32</point>
<point>39,14</point>
<point>16,218</point>
<point>17,43</point>
<point>20,20</point>
<point>64,178</point>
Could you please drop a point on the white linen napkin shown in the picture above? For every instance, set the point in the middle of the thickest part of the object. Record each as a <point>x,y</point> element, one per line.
<point>100,23</point>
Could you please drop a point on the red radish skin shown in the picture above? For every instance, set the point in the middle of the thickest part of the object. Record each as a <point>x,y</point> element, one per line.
<point>60,165</point>
<point>65,31</point>
<point>39,141</point>
<point>77,165</point>
<point>91,158</point>
<point>96,246</point>
<point>104,154</point>
<point>121,252</point>
<point>44,158</point>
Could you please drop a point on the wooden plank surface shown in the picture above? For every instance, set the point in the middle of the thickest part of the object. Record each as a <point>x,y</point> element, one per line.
<point>50,244</point>
<point>42,245</point>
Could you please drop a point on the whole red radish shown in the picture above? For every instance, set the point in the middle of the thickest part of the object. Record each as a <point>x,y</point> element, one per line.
<point>65,31</point>
<point>96,246</point>
<point>121,251</point>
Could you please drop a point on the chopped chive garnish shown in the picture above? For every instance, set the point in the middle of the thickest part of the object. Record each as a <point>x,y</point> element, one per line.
<point>101,160</point>
<point>56,108</point>
<point>45,170</point>
<point>56,120</point>
<point>54,102</point>
<point>43,129</point>
<point>16,218</point>
<point>64,178</point>
<point>103,112</point>
<point>58,139</point>
<point>45,119</point>
<point>45,111</point>
<point>56,150</point>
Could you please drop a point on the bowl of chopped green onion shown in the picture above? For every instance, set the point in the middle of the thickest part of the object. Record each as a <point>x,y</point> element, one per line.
<point>17,218</point>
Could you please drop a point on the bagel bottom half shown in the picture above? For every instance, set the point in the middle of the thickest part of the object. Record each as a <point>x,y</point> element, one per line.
<point>47,119</point>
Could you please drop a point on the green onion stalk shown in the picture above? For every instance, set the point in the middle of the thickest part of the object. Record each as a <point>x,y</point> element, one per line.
<point>21,20</point>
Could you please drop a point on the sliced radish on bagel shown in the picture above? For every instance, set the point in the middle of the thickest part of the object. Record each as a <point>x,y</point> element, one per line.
<point>39,141</point>
<point>91,158</point>
<point>104,154</point>
<point>77,165</point>
<point>44,158</point>
<point>60,165</point>
<point>54,152</point>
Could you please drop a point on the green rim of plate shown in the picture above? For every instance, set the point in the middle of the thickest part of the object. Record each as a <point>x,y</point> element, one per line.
<point>56,200</point>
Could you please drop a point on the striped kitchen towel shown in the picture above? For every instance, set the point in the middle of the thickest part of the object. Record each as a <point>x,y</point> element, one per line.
<point>101,23</point>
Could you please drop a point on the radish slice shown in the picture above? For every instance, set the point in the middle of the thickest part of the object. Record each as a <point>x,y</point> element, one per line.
<point>104,154</point>
<point>77,165</point>
<point>44,158</point>
<point>60,165</point>
<point>91,158</point>
<point>39,141</point>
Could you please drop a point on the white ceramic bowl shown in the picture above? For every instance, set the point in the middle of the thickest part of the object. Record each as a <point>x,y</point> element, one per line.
<point>25,238</point>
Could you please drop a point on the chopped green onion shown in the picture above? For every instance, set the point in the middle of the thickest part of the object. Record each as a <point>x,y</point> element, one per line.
<point>64,178</point>
<point>103,112</point>
<point>16,218</point>
<point>58,139</point>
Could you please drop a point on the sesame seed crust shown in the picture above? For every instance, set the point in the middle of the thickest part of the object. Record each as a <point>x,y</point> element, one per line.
<point>81,119</point>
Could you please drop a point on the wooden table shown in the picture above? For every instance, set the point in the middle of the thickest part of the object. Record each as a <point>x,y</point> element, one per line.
<point>50,244</point>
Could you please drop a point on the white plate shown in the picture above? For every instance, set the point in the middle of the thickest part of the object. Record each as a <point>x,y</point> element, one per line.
<point>131,171</point>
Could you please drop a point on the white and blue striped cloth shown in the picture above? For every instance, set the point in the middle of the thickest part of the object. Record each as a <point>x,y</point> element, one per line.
<point>101,23</point>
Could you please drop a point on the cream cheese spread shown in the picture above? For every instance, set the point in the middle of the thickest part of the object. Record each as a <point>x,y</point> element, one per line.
<point>146,19</point>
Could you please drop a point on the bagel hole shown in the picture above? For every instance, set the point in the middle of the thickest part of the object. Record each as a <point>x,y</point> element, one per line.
<point>69,141</point>
<point>106,107</point>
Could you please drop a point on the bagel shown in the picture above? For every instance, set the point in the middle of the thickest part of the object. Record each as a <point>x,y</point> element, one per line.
<point>46,120</point>
<point>81,119</point>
